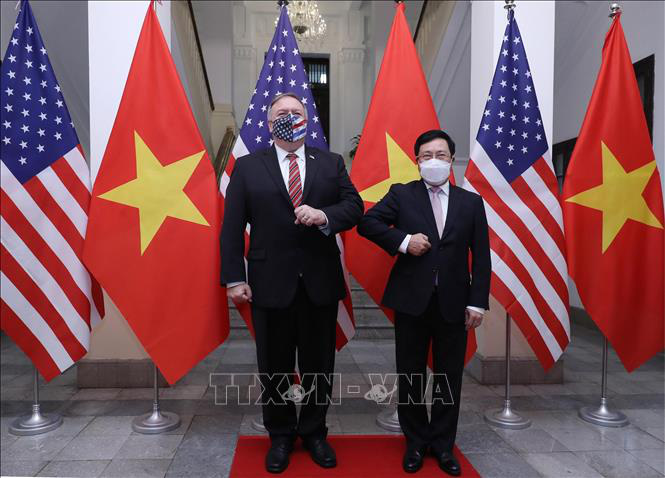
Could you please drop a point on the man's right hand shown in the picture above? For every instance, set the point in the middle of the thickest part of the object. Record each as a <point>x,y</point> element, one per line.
<point>240,294</point>
<point>418,245</point>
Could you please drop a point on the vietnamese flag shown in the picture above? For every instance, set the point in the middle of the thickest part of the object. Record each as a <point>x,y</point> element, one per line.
<point>613,212</point>
<point>401,109</point>
<point>155,216</point>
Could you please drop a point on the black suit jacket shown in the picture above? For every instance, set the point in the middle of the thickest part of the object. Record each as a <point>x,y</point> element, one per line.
<point>407,209</point>
<point>279,250</point>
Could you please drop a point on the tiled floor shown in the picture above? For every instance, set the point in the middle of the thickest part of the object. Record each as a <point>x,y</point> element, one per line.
<point>96,438</point>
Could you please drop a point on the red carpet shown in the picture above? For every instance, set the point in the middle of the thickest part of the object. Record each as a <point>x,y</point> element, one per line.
<point>358,456</point>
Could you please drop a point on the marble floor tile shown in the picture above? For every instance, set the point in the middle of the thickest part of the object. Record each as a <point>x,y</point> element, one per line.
<point>358,424</point>
<point>97,394</point>
<point>214,425</point>
<point>656,432</point>
<point>481,439</point>
<point>530,440</point>
<point>109,426</point>
<point>21,467</point>
<point>501,465</point>
<point>148,468</point>
<point>618,464</point>
<point>655,458</point>
<point>203,456</point>
<point>515,390</point>
<point>74,468</point>
<point>646,418</point>
<point>36,448</point>
<point>92,448</point>
<point>149,447</point>
<point>546,419</point>
<point>583,439</point>
<point>632,438</point>
<point>560,465</point>
<point>90,407</point>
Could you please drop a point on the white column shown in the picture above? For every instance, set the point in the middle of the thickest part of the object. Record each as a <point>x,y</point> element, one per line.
<point>245,70</point>
<point>351,62</point>
<point>113,30</point>
<point>536,24</point>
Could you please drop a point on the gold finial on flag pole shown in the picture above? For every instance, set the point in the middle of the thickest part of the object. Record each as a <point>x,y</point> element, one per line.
<point>615,9</point>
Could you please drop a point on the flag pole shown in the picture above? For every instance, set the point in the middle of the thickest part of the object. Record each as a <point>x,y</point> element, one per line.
<point>603,416</point>
<point>388,419</point>
<point>36,423</point>
<point>155,422</point>
<point>506,417</point>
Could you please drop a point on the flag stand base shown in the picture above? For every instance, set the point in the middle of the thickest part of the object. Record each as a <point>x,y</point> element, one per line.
<point>388,420</point>
<point>603,416</point>
<point>506,418</point>
<point>37,422</point>
<point>155,422</point>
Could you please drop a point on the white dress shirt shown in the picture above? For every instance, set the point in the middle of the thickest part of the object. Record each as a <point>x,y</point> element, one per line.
<point>442,196</point>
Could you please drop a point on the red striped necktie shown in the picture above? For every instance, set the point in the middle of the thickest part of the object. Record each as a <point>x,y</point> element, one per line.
<point>295,186</point>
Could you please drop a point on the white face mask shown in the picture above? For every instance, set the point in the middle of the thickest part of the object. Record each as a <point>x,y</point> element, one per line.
<point>435,172</point>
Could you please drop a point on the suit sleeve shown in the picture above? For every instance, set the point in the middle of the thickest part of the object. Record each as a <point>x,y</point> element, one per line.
<point>378,223</point>
<point>232,237</point>
<point>481,265</point>
<point>349,209</point>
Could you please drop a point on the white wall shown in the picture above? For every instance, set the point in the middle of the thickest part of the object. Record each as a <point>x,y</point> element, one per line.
<point>580,33</point>
<point>214,22</point>
<point>450,85</point>
<point>110,59</point>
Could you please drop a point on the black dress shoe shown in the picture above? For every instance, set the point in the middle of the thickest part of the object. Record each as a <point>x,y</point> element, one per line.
<point>277,458</point>
<point>413,460</point>
<point>448,463</point>
<point>321,452</point>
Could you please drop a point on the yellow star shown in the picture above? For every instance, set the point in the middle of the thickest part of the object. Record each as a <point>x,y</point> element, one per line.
<point>619,197</point>
<point>157,191</point>
<point>400,168</point>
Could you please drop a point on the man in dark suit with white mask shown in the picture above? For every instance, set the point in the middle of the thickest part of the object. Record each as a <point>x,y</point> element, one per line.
<point>436,296</point>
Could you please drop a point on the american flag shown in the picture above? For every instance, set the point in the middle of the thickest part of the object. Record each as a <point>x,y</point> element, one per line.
<point>283,71</point>
<point>49,300</point>
<point>510,169</point>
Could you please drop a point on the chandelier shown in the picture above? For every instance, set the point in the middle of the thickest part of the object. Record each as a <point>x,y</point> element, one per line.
<point>308,24</point>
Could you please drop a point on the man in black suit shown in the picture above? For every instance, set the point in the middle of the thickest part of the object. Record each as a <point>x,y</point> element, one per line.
<point>433,226</point>
<point>295,199</point>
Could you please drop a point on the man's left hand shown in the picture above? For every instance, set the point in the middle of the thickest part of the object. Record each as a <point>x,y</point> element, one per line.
<point>309,216</point>
<point>473,319</point>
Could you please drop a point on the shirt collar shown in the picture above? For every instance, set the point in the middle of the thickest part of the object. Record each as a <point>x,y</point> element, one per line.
<point>445,187</point>
<point>281,153</point>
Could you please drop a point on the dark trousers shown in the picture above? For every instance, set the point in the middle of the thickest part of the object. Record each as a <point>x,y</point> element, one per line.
<point>310,330</point>
<point>412,339</point>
